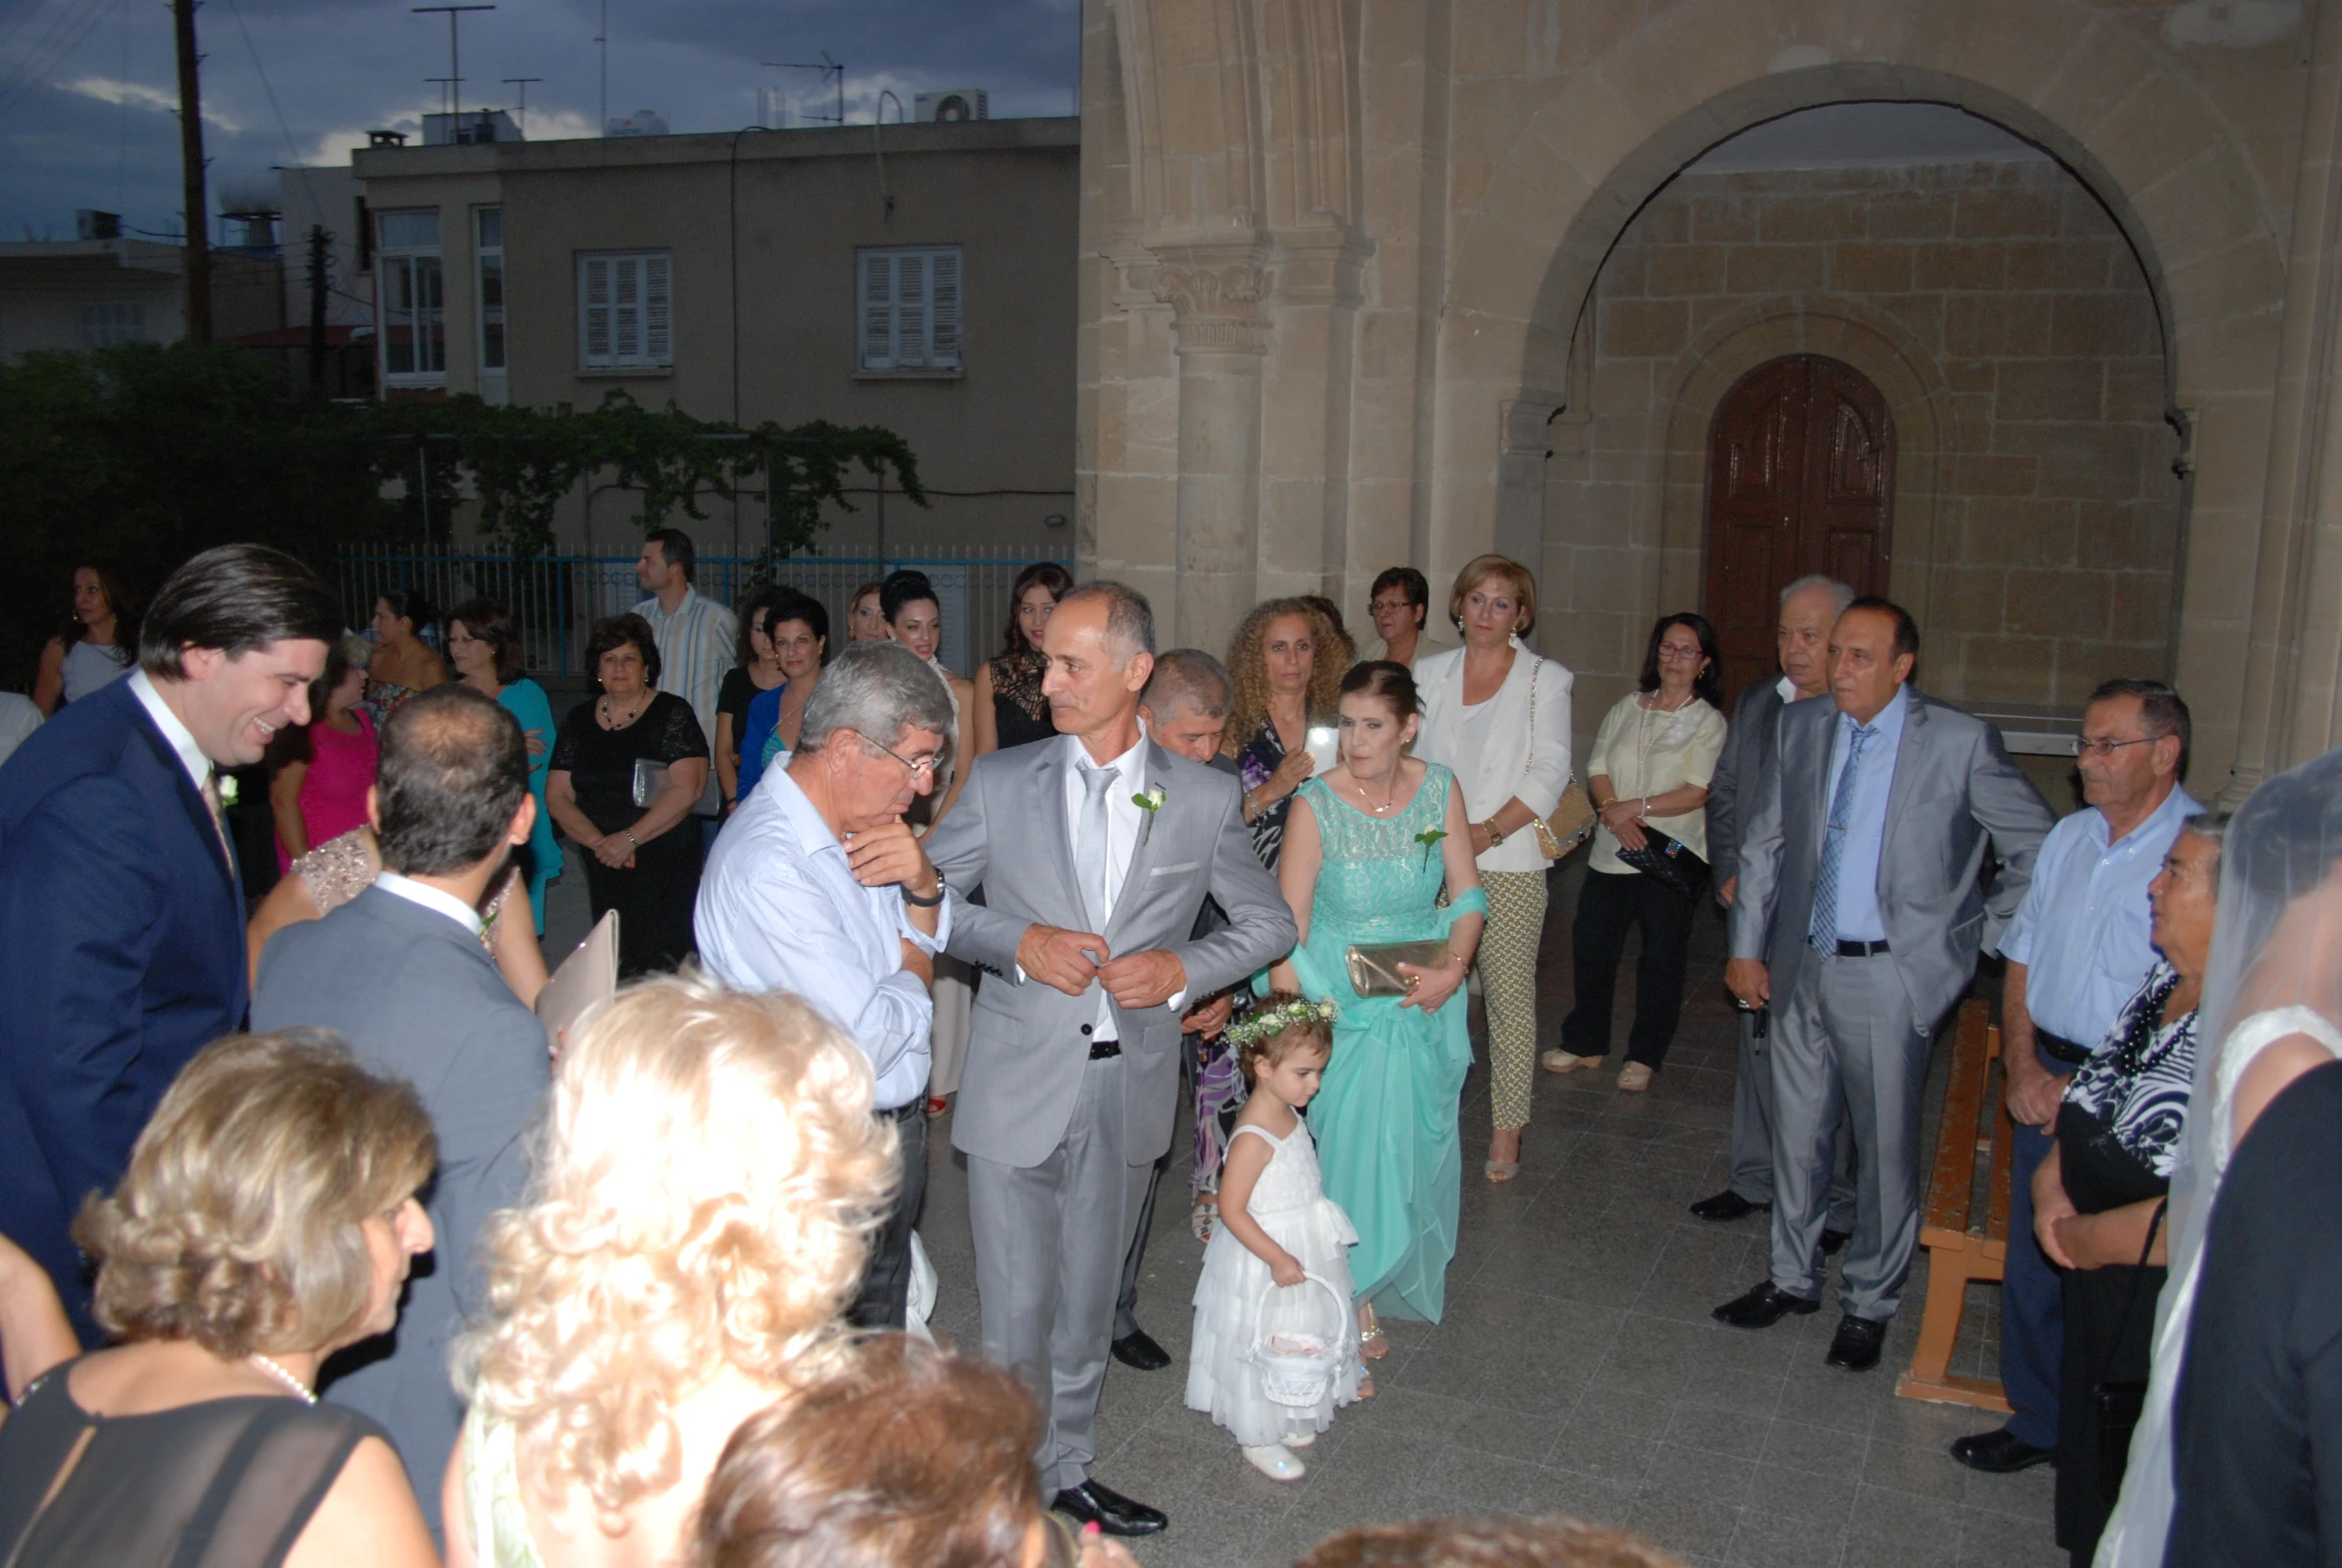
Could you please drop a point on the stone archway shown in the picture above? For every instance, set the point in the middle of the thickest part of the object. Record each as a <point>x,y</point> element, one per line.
<point>2115,111</point>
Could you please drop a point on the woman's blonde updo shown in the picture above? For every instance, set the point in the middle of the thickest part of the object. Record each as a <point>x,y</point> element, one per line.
<point>704,1190</point>
<point>238,1223</point>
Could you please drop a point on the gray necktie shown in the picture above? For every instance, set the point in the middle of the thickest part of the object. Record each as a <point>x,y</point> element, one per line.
<point>1089,844</point>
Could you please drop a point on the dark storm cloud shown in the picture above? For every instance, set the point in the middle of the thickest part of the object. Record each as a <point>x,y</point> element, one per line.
<point>87,87</point>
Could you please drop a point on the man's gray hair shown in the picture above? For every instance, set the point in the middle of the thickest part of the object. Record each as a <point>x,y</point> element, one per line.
<point>1187,681</point>
<point>1129,619</point>
<point>877,690</point>
<point>1841,595</point>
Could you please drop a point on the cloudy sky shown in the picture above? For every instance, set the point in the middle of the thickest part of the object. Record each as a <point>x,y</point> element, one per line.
<point>88,94</point>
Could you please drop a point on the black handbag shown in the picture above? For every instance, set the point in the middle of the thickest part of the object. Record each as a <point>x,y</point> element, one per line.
<point>2117,1402</point>
<point>1669,861</point>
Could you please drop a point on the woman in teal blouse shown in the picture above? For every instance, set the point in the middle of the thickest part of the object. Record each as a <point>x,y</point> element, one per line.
<point>485,649</point>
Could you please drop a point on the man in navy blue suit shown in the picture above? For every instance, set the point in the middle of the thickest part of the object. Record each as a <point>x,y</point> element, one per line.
<point>121,909</point>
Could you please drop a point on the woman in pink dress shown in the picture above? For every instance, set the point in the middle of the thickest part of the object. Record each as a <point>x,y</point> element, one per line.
<point>321,772</point>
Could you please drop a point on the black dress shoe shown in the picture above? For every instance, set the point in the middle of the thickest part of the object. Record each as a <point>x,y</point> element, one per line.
<point>1999,1453</point>
<point>1135,1350</point>
<point>1762,1307</point>
<point>1855,1344</point>
<point>1110,1510</point>
<point>1727,1204</point>
<point>1832,1240</point>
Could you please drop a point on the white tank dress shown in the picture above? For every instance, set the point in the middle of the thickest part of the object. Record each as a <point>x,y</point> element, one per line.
<point>1291,1205</point>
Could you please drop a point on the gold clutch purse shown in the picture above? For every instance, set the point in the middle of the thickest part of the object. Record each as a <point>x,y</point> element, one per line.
<point>1374,966</point>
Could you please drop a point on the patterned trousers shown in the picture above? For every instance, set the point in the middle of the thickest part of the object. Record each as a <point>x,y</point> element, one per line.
<point>1508,983</point>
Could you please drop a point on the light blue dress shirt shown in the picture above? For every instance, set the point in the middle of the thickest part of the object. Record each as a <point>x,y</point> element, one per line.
<point>2082,930</point>
<point>779,909</point>
<point>1859,916</point>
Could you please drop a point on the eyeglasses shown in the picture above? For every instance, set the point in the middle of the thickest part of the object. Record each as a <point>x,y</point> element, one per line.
<point>1669,651</point>
<point>922,768</point>
<point>2103,750</point>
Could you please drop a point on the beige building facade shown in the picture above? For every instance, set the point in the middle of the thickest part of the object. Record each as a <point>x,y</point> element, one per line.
<point>1370,282</point>
<point>920,278</point>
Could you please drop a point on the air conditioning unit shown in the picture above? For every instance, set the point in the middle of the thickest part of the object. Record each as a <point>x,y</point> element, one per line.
<point>951,105</point>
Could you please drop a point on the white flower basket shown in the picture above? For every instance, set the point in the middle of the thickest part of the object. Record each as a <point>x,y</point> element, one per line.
<point>1297,1362</point>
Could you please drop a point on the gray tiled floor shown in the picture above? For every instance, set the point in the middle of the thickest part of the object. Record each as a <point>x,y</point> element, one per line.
<point>1576,1369</point>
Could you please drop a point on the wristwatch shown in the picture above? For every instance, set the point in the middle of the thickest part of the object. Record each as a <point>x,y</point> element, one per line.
<point>1495,833</point>
<point>916,902</point>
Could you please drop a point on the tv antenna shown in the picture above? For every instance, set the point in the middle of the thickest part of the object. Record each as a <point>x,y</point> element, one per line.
<point>443,83</point>
<point>455,76</point>
<point>827,69</point>
<point>520,115</point>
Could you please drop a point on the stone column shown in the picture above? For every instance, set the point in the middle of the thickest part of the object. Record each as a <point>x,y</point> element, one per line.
<point>1305,414</point>
<point>1216,293</point>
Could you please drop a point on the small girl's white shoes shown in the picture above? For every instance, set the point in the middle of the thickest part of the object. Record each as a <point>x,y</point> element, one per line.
<point>1276,1461</point>
<point>1300,1438</point>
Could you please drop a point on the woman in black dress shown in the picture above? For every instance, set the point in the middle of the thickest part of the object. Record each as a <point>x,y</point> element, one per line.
<point>633,743</point>
<point>1008,707</point>
<point>1287,662</point>
<point>2098,1196</point>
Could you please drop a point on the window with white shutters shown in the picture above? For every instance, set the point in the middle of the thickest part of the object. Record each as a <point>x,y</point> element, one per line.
<point>910,305</point>
<point>410,299</point>
<point>625,310</point>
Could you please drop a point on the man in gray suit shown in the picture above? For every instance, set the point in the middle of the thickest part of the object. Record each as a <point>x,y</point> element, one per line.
<point>1809,606</point>
<point>402,974</point>
<point>1857,920</point>
<point>1095,852</point>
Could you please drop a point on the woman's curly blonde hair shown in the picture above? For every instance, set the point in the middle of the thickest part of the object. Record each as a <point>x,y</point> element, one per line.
<point>238,1223</point>
<point>1249,672</point>
<point>704,1189</point>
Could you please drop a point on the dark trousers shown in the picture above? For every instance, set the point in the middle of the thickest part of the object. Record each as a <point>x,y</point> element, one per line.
<point>1127,1304</point>
<point>1607,906</point>
<point>2032,1301</point>
<point>883,1300</point>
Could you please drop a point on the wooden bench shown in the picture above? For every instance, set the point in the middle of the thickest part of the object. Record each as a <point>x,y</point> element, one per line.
<point>1962,1244</point>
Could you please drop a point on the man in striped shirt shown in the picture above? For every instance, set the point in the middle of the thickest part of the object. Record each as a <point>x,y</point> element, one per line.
<point>698,639</point>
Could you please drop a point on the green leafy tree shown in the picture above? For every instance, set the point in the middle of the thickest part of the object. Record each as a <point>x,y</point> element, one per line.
<point>148,453</point>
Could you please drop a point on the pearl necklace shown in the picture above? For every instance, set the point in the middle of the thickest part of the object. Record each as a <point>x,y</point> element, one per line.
<point>286,1378</point>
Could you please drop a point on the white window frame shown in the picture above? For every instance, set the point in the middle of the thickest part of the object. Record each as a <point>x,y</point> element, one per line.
<point>909,302</point>
<point>411,288</point>
<point>626,309</point>
<point>488,262</point>
<point>101,324</point>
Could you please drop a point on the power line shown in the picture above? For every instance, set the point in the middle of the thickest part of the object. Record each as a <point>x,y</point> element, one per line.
<point>41,58</point>
<point>291,146</point>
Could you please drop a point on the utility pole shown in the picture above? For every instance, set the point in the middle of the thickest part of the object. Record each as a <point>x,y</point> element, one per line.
<point>520,115</point>
<point>454,55</point>
<point>191,170</point>
<point>318,238</point>
<point>602,125</point>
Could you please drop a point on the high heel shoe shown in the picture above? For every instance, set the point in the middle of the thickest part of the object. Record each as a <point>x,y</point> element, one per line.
<point>1502,1171</point>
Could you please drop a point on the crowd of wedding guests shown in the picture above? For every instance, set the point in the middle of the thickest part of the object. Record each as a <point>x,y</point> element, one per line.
<point>1062,901</point>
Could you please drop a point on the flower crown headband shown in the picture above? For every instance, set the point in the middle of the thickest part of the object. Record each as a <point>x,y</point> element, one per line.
<point>1276,1021</point>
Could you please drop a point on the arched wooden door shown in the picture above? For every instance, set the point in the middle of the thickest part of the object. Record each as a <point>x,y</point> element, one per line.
<point>1801,478</point>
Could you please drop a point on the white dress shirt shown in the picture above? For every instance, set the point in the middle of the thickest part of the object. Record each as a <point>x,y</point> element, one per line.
<point>779,909</point>
<point>182,739</point>
<point>437,899</point>
<point>1124,821</point>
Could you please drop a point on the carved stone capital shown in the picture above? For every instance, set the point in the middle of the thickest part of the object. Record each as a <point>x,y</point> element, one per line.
<point>1216,298</point>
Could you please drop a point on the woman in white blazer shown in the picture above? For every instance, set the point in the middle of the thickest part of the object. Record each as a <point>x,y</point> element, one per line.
<point>1498,715</point>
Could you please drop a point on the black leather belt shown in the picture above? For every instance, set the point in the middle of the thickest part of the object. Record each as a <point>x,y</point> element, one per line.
<point>1848,949</point>
<point>2059,1048</point>
<point>902,1113</point>
<point>1099,1049</point>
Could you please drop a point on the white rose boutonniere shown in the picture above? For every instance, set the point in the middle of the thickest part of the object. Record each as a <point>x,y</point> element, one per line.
<point>1149,801</point>
<point>225,783</point>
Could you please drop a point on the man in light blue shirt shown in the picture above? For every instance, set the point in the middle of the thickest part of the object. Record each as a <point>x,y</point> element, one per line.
<point>817,888</point>
<point>697,640</point>
<point>1863,796</point>
<point>2077,950</point>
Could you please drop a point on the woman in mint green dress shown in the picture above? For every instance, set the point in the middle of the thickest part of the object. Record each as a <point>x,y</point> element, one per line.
<point>1367,849</point>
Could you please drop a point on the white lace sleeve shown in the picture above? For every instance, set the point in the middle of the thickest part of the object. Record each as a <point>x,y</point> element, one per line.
<point>2241,1048</point>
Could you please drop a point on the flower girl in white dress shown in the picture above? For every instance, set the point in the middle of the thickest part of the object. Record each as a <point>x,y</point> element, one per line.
<point>1277,1228</point>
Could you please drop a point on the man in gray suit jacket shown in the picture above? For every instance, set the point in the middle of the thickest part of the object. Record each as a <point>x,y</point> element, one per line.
<point>1809,606</point>
<point>402,974</point>
<point>1858,921</point>
<point>1095,851</point>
